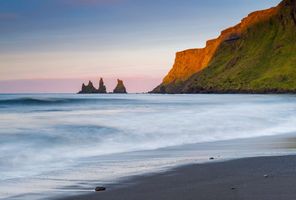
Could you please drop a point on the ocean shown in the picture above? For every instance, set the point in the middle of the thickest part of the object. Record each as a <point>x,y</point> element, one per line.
<point>60,144</point>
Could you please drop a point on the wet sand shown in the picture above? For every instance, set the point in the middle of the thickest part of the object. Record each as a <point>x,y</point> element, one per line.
<point>259,178</point>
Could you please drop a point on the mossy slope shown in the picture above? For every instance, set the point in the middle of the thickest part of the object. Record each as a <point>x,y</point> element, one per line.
<point>261,59</point>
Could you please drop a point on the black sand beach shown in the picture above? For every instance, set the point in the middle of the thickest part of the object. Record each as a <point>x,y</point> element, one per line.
<point>259,178</point>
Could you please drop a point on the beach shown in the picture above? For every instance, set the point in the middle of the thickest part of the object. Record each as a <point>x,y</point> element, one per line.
<point>66,145</point>
<point>147,100</point>
<point>259,178</point>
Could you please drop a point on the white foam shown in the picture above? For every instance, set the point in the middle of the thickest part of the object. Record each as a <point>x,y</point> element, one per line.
<point>46,140</point>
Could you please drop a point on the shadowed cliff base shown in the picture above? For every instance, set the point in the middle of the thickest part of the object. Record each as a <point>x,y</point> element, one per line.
<point>256,56</point>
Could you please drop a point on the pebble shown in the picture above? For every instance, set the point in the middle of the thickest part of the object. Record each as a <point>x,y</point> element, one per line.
<point>266,176</point>
<point>98,189</point>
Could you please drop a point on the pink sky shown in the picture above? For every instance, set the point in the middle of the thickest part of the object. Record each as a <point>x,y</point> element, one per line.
<point>56,45</point>
<point>133,85</point>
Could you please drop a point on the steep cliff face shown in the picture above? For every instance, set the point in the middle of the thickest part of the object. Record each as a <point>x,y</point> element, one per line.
<point>257,55</point>
<point>191,61</point>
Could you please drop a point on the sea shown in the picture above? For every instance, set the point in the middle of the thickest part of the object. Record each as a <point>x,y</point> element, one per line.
<point>54,145</point>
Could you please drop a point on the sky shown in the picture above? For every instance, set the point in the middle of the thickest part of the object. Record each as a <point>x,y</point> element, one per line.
<point>56,45</point>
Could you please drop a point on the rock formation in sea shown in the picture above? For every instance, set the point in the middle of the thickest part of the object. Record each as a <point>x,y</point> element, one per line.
<point>120,88</point>
<point>88,89</point>
<point>102,88</point>
<point>258,55</point>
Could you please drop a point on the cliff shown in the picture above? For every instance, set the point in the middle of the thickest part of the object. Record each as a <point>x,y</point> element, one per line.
<point>258,55</point>
<point>120,88</point>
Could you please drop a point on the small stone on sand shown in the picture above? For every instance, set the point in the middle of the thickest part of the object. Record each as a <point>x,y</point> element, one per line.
<point>98,189</point>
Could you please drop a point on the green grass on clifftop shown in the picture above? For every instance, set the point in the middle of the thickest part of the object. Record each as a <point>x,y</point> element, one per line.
<point>262,60</point>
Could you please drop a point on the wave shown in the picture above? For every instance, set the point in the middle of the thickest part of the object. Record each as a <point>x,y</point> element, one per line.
<point>54,101</point>
<point>107,141</point>
<point>31,101</point>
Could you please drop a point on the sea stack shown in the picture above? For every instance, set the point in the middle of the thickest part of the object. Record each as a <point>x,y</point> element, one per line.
<point>88,89</point>
<point>120,88</point>
<point>102,88</point>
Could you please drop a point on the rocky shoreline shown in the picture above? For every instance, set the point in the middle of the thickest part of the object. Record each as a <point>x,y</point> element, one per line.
<point>176,90</point>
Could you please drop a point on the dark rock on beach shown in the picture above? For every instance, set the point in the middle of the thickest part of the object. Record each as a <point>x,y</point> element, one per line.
<point>99,189</point>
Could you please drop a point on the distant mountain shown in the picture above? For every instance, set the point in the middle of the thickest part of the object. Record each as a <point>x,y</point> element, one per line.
<point>257,55</point>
